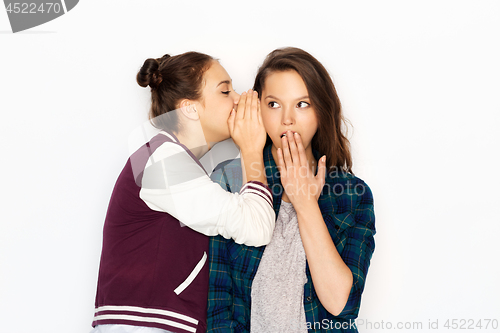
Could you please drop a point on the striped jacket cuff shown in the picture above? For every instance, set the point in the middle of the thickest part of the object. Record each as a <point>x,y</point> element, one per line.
<point>259,189</point>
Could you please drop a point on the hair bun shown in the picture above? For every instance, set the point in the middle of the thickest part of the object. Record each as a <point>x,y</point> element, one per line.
<point>149,75</point>
<point>162,59</point>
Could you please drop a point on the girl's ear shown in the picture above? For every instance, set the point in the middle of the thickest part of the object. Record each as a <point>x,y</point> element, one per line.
<point>188,109</point>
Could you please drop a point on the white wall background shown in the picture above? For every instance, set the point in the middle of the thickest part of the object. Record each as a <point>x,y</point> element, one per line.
<point>419,80</point>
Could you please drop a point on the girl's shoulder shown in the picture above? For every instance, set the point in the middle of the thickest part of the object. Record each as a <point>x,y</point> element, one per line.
<point>228,175</point>
<point>336,176</point>
<point>228,166</point>
<point>344,192</point>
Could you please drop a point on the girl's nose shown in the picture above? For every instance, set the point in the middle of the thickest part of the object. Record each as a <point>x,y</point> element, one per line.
<point>287,117</point>
<point>236,98</point>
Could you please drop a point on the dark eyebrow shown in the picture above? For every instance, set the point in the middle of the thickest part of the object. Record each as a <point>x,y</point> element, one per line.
<point>272,97</point>
<point>222,82</point>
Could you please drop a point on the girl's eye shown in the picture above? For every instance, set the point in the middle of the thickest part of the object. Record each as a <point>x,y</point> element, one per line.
<point>273,105</point>
<point>302,104</point>
<point>226,92</point>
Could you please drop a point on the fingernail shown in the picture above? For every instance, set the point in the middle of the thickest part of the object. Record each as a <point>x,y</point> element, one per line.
<point>296,134</point>
<point>323,159</point>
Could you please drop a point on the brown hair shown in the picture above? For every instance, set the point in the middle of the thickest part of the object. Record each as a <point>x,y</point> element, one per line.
<point>329,139</point>
<point>172,78</point>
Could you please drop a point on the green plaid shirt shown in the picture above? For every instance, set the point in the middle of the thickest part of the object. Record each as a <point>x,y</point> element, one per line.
<point>346,204</point>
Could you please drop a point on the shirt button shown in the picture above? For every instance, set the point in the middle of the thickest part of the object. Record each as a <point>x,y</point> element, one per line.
<point>337,227</point>
<point>309,298</point>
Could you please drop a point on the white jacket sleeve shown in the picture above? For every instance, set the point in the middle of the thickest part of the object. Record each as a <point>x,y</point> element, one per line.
<point>174,183</point>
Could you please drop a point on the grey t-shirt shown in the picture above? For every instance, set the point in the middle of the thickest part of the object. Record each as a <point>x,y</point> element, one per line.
<point>278,286</point>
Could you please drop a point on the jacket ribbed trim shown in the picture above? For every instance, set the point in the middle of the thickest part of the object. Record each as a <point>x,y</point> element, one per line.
<point>258,188</point>
<point>139,316</point>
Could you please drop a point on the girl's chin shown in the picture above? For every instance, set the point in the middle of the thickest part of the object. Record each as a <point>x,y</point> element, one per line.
<point>276,145</point>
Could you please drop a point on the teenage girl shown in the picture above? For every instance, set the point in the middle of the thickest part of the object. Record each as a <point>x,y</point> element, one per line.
<point>311,275</point>
<point>153,275</point>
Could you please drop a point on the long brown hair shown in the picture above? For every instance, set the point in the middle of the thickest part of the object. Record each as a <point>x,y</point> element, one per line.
<point>329,139</point>
<point>172,78</point>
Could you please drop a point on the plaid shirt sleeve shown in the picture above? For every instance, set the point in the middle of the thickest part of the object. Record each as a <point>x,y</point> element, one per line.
<point>359,247</point>
<point>220,293</point>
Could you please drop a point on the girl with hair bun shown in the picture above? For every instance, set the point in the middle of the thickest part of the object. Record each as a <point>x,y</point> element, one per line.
<point>153,274</point>
<point>311,275</point>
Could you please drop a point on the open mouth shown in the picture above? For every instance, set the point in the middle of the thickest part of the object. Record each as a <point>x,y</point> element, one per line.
<point>284,133</point>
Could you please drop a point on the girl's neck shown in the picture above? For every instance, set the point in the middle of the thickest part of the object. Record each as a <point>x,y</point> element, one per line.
<point>195,142</point>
